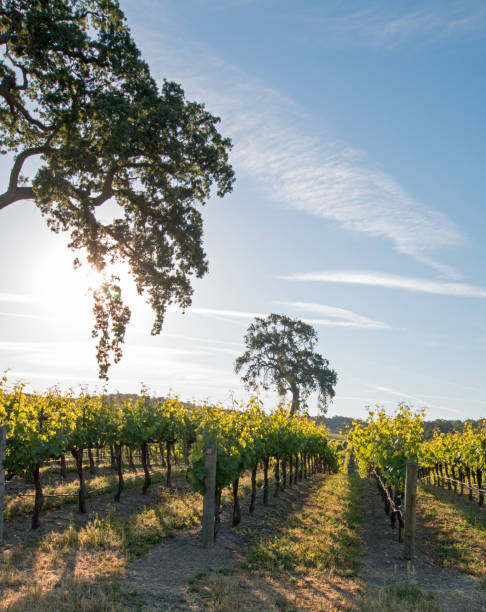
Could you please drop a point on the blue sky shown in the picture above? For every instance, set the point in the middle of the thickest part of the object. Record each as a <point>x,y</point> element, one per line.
<point>358,132</point>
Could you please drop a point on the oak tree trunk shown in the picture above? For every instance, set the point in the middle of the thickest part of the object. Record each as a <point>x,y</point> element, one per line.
<point>294,408</point>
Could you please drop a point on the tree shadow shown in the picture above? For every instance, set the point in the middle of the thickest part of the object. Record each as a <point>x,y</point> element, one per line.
<point>80,567</point>
<point>280,585</point>
<point>469,510</point>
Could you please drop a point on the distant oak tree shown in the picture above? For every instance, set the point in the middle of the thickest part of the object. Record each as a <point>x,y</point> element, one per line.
<point>280,353</point>
<point>79,108</point>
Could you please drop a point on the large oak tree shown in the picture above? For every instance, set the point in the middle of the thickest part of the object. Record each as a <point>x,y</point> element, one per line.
<point>76,97</point>
<point>280,352</point>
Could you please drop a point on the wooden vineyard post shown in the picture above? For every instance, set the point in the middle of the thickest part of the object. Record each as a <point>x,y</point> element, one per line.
<point>207,534</point>
<point>410,509</point>
<point>2,477</point>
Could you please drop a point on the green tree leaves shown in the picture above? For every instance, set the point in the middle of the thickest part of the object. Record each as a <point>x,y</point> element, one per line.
<point>76,96</point>
<point>280,352</point>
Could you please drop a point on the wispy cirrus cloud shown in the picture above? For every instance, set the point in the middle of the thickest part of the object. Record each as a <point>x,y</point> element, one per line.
<point>204,340</point>
<point>275,143</point>
<point>220,312</point>
<point>24,347</point>
<point>390,281</point>
<point>20,298</point>
<point>390,26</point>
<point>413,398</point>
<point>21,315</point>
<point>340,317</point>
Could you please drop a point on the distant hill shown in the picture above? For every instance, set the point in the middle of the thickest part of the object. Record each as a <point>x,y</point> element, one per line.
<point>336,424</point>
<point>445,426</point>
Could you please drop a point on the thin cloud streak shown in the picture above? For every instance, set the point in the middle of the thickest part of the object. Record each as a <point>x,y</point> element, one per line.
<point>20,298</point>
<point>25,347</point>
<point>192,338</point>
<point>145,352</point>
<point>388,28</point>
<point>413,398</point>
<point>390,281</point>
<point>237,314</point>
<point>26,316</point>
<point>275,144</point>
<point>347,317</point>
<point>225,313</point>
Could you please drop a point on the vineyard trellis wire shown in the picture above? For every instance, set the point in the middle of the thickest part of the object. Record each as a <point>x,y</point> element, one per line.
<point>44,427</point>
<point>461,455</point>
<point>393,507</point>
<point>385,444</point>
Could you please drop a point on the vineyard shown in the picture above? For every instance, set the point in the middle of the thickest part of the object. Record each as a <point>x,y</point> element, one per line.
<point>44,428</point>
<point>456,461</point>
<point>384,445</point>
<point>286,496</point>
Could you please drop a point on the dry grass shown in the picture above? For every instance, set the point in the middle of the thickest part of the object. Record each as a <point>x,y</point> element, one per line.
<point>253,592</point>
<point>79,568</point>
<point>405,597</point>
<point>321,536</point>
<point>459,530</point>
<point>309,562</point>
<point>23,504</point>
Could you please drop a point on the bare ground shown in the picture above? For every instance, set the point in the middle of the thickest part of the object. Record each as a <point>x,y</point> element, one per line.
<point>160,579</point>
<point>58,519</point>
<point>384,564</point>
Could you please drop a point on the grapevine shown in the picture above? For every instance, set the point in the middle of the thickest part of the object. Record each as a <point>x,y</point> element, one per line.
<point>46,427</point>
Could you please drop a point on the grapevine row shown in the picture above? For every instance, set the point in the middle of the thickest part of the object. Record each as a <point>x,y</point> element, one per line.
<point>454,458</point>
<point>44,427</point>
<point>385,443</point>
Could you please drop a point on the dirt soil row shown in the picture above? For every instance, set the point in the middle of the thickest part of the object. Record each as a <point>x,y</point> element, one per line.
<point>384,564</point>
<point>159,580</point>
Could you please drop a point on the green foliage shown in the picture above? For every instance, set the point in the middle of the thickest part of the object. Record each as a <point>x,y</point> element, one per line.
<point>387,442</point>
<point>36,428</point>
<point>42,427</point>
<point>322,535</point>
<point>462,449</point>
<point>405,596</point>
<point>245,437</point>
<point>77,98</point>
<point>280,352</point>
<point>450,426</point>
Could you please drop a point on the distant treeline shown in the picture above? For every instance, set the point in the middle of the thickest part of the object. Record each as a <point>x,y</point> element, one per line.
<point>336,424</point>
